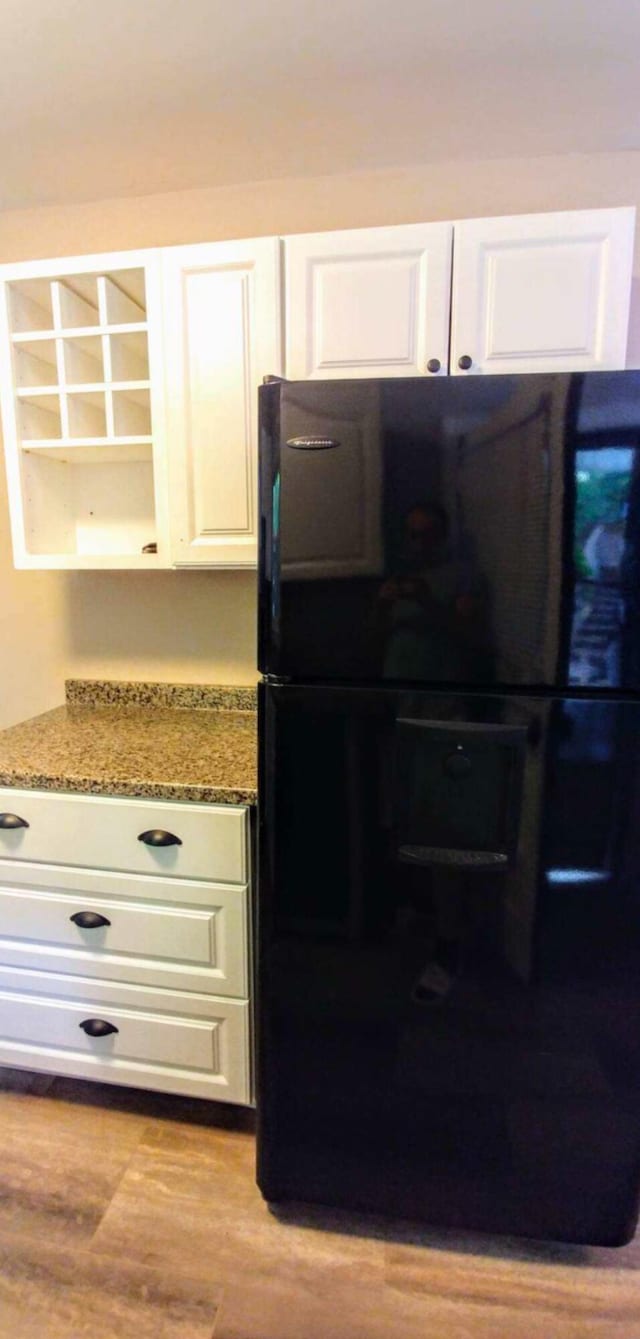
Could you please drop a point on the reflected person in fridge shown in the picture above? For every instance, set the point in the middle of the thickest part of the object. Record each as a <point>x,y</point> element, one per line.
<point>431,609</point>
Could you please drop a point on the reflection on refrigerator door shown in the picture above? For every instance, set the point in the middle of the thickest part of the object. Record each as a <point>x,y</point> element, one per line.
<point>449,996</point>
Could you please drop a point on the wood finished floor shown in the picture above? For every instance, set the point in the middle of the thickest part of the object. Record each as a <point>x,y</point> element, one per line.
<point>126,1215</point>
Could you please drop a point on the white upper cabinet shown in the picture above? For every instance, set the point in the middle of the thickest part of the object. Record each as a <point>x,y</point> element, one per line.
<point>369,302</point>
<point>532,293</point>
<point>222,335</point>
<point>128,380</point>
<point>542,292</point>
<point>82,392</point>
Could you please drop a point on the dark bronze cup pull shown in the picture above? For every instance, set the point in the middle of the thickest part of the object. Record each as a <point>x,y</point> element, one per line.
<point>158,837</point>
<point>89,920</point>
<point>11,821</point>
<point>97,1027</point>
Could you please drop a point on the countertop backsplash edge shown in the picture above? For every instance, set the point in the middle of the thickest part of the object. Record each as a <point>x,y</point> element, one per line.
<point>181,696</point>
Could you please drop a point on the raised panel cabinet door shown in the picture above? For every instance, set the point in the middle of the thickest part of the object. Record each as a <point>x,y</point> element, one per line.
<point>368,302</point>
<point>222,336</point>
<point>542,292</point>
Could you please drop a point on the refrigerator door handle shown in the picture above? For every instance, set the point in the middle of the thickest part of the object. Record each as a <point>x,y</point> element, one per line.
<point>445,858</point>
<point>313,443</point>
<point>491,733</point>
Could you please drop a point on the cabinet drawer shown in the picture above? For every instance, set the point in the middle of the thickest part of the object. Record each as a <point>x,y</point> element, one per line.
<point>204,1055</point>
<point>104,832</point>
<point>191,947</point>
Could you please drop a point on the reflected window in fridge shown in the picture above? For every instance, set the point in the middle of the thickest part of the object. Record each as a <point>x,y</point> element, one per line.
<point>607,496</point>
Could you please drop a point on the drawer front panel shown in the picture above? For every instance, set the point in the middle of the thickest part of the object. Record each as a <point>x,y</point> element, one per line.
<point>36,903</point>
<point>158,931</point>
<point>186,938</point>
<point>103,832</point>
<point>173,1053</point>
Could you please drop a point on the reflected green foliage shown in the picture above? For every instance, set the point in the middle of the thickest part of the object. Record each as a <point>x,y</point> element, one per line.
<point>601,498</point>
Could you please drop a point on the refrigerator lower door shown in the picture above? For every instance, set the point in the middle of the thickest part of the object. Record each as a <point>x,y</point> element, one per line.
<point>449,958</point>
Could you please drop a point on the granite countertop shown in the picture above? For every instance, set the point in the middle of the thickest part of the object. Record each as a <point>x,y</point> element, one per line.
<point>163,741</point>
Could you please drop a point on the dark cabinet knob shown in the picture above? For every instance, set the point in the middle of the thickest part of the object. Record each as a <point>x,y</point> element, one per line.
<point>97,1027</point>
<point>433,365</point>
<point>11,821</point>
<point>89,920</point>
<point>465,362</point>
<point>158,837</point>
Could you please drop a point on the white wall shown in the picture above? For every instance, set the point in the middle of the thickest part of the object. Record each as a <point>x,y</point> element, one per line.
<point>201,625</point>
<point>33,647</point>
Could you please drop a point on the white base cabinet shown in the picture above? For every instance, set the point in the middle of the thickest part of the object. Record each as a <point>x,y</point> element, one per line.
<point>110,973</point>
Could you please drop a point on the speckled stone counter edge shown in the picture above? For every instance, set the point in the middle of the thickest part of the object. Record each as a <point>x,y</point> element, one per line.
<point>114,692</point>
<point>138,790</point>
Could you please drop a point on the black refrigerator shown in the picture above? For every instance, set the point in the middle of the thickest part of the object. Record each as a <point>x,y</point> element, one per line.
<point>449,800</point>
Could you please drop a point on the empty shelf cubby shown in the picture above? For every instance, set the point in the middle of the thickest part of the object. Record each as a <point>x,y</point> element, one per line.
<point>122,298</point>
<point>40,418</point>
<point>87,414</point>
<point>30,306</point>
<point>35,363</point>
<point>83,360</point>
<point>75,302</point>
<point>131,413</point>
<point>88,505</point>
<point>129,357</point>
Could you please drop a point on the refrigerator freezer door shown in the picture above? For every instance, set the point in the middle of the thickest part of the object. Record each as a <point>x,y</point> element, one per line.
<point>471,531</point>
<point>449,952</point>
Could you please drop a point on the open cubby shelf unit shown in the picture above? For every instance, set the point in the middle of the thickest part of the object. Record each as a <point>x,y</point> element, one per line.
<point>82,407</point>
<point>81,362</point>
